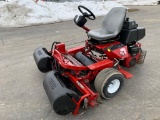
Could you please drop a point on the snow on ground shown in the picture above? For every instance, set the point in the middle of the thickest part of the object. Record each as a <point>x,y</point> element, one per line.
<point>19,13</point>
<point>137,2</point>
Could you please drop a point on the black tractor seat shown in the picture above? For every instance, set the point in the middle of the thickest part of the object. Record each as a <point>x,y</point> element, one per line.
<point>111,25</point>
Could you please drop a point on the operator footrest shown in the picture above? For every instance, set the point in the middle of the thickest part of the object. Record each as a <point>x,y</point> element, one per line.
<point>125,73</point>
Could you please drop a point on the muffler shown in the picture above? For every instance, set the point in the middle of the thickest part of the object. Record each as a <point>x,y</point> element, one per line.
<point>42,59</point>
<point>61,98</point>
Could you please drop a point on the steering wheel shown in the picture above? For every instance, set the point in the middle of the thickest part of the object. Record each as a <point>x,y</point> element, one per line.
<point>90,16</point>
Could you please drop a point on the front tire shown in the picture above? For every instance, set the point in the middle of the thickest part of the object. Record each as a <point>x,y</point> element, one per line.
<point>108,82</point>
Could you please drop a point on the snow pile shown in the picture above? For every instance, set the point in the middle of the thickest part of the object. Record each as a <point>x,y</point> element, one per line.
<point>19,13</point>
<point>137,2</point>
<point>13,14</point>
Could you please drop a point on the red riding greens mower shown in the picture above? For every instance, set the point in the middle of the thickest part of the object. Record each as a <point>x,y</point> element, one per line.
<point>79,77</point>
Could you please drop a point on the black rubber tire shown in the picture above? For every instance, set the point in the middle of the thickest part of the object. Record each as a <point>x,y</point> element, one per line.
<point>104,79</point>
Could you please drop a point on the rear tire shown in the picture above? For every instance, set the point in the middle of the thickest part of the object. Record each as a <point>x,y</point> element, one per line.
<point>108,82</point>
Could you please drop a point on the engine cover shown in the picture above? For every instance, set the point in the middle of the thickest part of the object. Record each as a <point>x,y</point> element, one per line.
<point>130,61</point>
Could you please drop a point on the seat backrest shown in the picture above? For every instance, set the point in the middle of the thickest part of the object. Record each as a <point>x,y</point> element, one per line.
<point>113,21</point>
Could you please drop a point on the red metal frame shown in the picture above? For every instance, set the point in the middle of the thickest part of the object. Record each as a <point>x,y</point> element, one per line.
<point>86,29</point>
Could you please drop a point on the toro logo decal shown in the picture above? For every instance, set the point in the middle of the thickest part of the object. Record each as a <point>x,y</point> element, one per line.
<point>123,51</point>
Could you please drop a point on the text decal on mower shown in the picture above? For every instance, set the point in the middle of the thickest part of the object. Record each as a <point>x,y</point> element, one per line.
<point>80,85</point>
<point>52,84</point>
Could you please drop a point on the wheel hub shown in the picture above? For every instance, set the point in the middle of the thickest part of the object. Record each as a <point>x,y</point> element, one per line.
<point>113,86</point>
